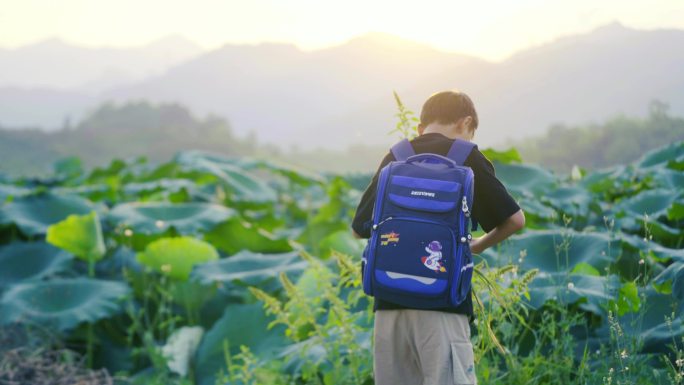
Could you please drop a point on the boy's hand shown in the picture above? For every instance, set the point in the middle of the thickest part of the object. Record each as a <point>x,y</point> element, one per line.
<point>504,230</point>
<point>476,246</point>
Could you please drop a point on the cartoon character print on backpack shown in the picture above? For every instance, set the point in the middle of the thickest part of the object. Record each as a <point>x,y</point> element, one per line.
<point>434,260</point>
<point>389,238</point>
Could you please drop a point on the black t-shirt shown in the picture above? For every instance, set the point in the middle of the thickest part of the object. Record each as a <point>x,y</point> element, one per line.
<point>491,204</point>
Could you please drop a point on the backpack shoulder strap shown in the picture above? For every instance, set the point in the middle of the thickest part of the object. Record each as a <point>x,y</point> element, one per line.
<point>403,150</point>
<point>460,150</point>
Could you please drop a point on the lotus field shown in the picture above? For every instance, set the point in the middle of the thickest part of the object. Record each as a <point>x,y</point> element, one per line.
<point>213,270</point>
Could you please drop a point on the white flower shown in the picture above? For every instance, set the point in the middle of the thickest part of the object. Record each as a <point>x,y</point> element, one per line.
<point>571,285</point>
<point>641,261</point>
<point>159,223</point>
<point>181,347</point>
<point>623,354</point>
<point>128,232</point>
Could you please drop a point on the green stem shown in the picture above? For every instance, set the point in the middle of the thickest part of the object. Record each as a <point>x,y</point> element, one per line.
<point>90,336</point>
<point>89,347</point>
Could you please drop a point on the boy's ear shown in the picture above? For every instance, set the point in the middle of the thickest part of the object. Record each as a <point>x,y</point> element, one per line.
<point>467,121</point>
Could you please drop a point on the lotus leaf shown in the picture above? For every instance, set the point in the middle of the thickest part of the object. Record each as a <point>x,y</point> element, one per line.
<point>662,155</point>
<point>176,256</point>
<point>22,262</point>
<point>156,218</point>
<point>243,186</point>
<point>553,251</point>
<point>80,235</point>
<point>235,235</point>
<point>8,190</point>
<point>523,179</point>
<point>240,325</point>
<point>62,303</point>
<point>592,292</point>
<point>249,268</point>
<point>33,214</point>
<point>654,203</point>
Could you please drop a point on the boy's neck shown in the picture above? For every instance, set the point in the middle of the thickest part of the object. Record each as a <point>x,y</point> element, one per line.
<point>451,131</point>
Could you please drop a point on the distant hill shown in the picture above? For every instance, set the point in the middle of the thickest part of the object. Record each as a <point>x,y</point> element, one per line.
<point>341,95</point>
<point>158,132</point>
<point>284,94</point>
<point>43,84</point>
<point>57,64</point>
<point>619,140</point>
<point>111,131</point>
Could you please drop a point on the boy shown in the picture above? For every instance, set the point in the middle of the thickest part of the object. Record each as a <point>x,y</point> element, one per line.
<point>432,347</point>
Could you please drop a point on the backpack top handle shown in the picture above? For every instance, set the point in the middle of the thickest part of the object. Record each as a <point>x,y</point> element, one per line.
<point>459,151</point>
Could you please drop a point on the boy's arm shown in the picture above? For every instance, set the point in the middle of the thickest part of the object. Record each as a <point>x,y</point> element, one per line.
<point>510,226</point>
<point>494,208</point>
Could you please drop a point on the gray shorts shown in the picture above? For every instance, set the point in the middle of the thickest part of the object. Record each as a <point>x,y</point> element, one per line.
<point>422,347</point>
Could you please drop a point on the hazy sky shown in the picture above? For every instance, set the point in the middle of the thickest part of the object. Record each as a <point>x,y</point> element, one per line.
<point>488,28</point>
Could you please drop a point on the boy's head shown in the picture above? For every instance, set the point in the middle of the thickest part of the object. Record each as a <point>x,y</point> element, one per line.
<point>450,108</point>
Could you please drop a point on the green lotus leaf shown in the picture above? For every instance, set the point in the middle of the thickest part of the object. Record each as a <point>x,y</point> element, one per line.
<point>158,217</point>
<point>33,214</point>
<point>342,241</point>
<point>94,192</point>
<point>602,181</point>
<point>290,172</point>
<point>674,275</point>
<point>662,155</point>
<point>654,203</point>
<point>571,200</point>
<point>554,251</point>
<point>668,179</point>
<point>537,214</point>
<point>167,185</point>
<point>651,324</point>
<point>243,186</point>
<point>240,325</point>
<point>676,212</point>
<point>8,190</point>
<point>502,157</point>
<point>80,235</point>
<point>248,268</point>
<point>235,235</point>
<point>177,256</point>
<point>522,179</point>
<point>628,299</point>
<point>23,262</point>
<point>69,167</point>
<point>592,292</point>
<point>62,303</point>
<point>586,269</point>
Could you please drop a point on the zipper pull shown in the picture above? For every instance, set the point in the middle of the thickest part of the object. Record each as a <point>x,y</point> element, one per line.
<point>381,222</point>
<point>464,206</point>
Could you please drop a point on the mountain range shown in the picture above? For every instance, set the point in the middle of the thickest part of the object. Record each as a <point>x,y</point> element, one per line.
<point>341,95</point>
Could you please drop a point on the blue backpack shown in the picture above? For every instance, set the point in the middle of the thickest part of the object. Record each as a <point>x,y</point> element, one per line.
<point>418,254</point>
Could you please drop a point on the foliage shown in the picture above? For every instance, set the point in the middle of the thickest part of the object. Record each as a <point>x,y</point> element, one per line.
<point>175,257</point>
<point>61,303</point>
<point>620,140</point>
<point>79,235</point>
<point>331,340</point>
<point>599,271</point>
<point>407,125</point>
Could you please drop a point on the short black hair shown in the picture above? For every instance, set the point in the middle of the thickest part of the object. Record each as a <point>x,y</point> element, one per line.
<point>448,107</point>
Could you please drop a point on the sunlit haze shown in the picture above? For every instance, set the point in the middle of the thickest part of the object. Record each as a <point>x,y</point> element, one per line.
<point>489,29</point>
